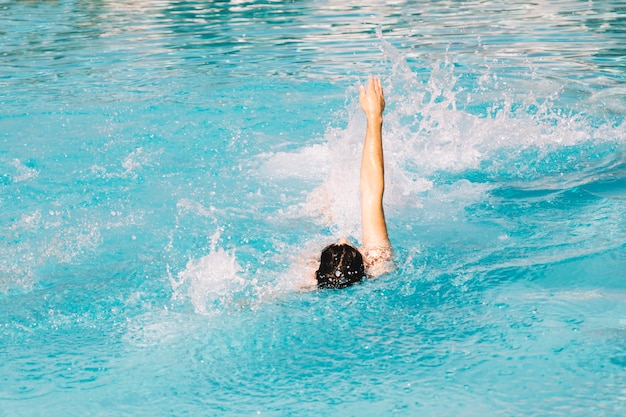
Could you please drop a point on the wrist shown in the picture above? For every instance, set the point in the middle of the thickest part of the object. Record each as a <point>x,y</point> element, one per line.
<point>375,119</point>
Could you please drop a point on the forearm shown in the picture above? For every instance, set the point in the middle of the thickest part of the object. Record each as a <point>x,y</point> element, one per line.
<point>372,161</point>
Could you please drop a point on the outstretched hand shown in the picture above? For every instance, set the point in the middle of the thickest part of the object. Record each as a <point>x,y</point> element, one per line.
<point>372,100</point>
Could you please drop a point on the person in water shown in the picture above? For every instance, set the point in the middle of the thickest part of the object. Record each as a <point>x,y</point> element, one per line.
<point>341,264</point>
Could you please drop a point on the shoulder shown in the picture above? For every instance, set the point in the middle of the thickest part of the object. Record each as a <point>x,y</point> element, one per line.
<point>378,258</point>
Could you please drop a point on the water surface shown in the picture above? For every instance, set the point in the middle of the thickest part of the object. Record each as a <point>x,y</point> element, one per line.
<point>166,168</point>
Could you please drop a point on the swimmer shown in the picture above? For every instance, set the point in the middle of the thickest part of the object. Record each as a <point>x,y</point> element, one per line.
<point>341,264</point>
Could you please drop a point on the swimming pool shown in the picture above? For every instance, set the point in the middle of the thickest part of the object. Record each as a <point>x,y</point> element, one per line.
<point>167,167</point>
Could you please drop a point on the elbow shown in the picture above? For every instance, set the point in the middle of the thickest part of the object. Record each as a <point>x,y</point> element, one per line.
<point>372,189</point>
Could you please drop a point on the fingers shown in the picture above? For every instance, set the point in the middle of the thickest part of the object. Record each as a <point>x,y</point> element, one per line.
<point>372,99</point>
<point>379,86</point>
<point>373,85</point>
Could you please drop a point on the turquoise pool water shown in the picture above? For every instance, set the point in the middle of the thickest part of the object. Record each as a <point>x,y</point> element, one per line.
<point>167,168</point>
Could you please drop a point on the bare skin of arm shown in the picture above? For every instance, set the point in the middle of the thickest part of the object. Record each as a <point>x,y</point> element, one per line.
<point>374,227</point>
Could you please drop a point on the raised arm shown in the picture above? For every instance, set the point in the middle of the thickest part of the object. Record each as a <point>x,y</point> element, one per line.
<point>372,186</point>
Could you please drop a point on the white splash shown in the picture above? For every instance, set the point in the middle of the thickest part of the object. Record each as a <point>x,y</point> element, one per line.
<point>22,172</point>
<point>432,127</point>
<point>211,282</point>
<point>54,239</point>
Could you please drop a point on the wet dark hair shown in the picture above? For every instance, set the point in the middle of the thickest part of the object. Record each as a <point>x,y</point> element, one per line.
<point>341,266</point>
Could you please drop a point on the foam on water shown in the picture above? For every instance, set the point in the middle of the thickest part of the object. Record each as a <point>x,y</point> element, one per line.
<point>209,282</point>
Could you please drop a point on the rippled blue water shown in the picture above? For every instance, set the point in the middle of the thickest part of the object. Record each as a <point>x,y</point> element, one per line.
<point>168,168</point>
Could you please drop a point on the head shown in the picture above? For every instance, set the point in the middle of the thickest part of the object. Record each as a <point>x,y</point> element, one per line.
<point>341,265</point>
